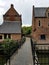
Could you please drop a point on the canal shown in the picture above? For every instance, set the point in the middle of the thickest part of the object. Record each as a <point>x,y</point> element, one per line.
<point>24,55</point>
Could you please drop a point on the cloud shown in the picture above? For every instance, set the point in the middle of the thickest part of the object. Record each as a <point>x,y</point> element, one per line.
<point>2,3</point>
<point>1,11</point>
<point>23,7</point>
<point>26,25</point>
<point>41,3</point>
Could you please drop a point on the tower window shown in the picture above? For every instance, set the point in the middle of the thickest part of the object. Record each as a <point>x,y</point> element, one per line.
<point>39,22</point>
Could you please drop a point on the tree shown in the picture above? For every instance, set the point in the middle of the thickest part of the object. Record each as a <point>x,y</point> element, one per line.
<point>26,30</point>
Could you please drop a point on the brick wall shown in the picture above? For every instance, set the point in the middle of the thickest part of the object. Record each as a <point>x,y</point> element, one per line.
<point>42,29</point>
<point>12,14</point>
<point>16,36</point>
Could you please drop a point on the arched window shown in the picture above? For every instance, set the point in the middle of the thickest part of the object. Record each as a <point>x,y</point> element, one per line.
<point>39,22</point>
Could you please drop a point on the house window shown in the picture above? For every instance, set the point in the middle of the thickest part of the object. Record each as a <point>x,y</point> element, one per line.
<point>48,14</point>
<point>42,37</point>
<point>0,37</point>
<point>39,22</point>
<point>5,36</point>
<point>9,36</point>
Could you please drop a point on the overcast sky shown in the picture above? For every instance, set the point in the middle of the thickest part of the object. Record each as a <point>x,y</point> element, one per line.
<point>23,7</point>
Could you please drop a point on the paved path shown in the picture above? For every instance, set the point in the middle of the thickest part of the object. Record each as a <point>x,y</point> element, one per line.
<point>24,55</point>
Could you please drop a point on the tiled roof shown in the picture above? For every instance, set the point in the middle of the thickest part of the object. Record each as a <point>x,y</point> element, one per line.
<point>40,12</point>
<point>10,27</point>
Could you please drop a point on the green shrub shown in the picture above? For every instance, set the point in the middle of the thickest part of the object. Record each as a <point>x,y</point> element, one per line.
<point>10,46</point>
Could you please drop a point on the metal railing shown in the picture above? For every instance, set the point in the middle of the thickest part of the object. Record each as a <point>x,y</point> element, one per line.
<point>40,53</point>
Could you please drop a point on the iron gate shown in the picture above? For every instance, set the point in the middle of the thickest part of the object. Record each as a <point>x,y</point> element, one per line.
<point>40,53</point>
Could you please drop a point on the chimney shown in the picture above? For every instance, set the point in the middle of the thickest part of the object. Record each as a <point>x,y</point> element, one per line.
<point>12,5</point>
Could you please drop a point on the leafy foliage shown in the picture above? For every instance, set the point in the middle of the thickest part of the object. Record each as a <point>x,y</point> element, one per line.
<point>26,30</point>
<point>8,47</point>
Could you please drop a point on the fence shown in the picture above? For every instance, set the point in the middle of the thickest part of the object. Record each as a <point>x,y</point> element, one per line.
<point>40,53</point>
